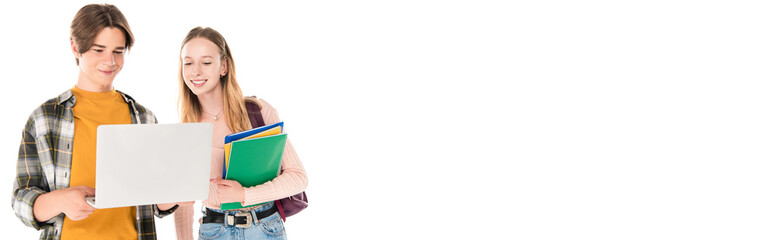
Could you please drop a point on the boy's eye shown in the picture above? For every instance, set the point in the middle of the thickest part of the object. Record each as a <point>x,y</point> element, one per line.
<point>118,52</point>
<point>207,63</point>
<point>98,50</point>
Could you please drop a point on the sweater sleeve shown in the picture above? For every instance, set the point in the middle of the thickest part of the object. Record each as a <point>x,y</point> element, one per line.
<point>292,179</point>
<point>184,222</point>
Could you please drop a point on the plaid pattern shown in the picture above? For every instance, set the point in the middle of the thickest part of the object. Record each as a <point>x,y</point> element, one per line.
<point>45,156</point>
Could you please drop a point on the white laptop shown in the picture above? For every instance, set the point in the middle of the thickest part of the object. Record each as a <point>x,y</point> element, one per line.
<point>141,164</point>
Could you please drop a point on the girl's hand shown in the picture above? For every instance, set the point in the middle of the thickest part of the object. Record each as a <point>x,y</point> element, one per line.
<point>229,190</point>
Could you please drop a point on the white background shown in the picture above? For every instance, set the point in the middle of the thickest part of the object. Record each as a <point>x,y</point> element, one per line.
<point>467,119</point>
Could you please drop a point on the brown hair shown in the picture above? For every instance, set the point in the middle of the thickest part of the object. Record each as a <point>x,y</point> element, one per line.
<point>233,100</point>
<point>91,19</point>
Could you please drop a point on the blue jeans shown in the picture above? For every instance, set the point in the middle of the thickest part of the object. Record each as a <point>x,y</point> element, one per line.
<point>270,227</point>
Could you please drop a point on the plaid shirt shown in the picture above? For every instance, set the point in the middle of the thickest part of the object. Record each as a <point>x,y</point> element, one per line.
<point>45,155</point>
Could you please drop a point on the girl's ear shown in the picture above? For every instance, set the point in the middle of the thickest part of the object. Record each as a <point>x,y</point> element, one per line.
<point>224,67</point>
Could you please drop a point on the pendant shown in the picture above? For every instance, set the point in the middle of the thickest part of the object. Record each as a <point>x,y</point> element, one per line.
<point>215,118</point>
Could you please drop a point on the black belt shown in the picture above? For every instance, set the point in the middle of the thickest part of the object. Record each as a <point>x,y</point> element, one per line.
<point>242,219</point>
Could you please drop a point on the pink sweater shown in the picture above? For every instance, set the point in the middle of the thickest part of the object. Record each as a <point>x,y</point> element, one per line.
<point>291,181</point>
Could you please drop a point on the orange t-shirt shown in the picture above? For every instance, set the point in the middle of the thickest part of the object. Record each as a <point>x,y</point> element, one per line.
<point>91,110</point>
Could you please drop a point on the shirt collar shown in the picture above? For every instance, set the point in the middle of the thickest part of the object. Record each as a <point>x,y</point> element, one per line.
<point>67,98</point>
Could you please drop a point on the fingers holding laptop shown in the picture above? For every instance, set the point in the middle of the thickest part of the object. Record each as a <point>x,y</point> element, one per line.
<point>167,206</point>
<point>191,203</point>
<point>70,201</point>
<point>73,202</point>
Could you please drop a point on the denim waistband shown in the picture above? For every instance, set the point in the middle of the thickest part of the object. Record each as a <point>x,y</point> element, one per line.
<point>259,208</point>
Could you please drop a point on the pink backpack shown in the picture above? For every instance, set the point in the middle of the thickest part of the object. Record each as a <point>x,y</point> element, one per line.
<point>288,206</point>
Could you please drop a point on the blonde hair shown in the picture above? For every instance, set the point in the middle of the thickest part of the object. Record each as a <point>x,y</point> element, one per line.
<point>233,101</point>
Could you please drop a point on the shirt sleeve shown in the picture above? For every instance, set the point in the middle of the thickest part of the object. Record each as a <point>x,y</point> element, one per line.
<point>292,179</point>
<point>30,182</point>
<point>158,213</point>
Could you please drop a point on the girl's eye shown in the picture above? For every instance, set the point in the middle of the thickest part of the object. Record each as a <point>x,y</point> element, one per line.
<point>187,64</point>
<point>207,63</point>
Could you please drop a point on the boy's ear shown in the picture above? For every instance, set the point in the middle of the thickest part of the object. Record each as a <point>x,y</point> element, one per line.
<point>74,48</point>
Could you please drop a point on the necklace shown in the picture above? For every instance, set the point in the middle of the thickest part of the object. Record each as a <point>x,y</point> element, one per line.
<point>214,116</point>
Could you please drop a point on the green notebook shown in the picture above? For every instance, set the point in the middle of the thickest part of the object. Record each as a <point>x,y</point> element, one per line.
<point>254,162</point>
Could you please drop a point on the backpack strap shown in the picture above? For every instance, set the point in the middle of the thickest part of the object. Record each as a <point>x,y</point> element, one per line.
<point>254,113</point>
<point>256,120</point>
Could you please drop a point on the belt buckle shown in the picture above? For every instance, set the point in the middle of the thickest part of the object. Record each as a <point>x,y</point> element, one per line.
<point>248,218</point>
